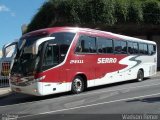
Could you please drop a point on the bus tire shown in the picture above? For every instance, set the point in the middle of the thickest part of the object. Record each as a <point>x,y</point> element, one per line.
<point>140,76</point>
<point>77,85</point>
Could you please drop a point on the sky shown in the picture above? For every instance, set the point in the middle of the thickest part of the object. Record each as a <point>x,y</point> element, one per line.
<point>13,14</point>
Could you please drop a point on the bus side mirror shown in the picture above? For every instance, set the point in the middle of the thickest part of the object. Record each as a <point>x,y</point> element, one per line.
<point>39,42</point>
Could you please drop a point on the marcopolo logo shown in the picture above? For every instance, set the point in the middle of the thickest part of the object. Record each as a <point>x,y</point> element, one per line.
<point>76,61</point>
<point>106,60</point>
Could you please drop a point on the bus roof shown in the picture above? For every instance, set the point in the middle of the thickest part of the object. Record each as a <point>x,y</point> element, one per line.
<point>47,31</point>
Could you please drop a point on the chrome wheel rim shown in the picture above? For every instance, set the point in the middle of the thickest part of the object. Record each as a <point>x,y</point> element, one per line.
<point>77,84</point>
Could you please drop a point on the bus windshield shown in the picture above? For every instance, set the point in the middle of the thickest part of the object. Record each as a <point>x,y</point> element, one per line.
<point>25,62</point>
<point>49,54</point>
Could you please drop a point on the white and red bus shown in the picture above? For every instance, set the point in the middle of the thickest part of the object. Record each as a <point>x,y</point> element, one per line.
<point>61,59</point>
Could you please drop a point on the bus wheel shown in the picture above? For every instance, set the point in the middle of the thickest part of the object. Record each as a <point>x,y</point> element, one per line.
<point>140,76</point>
<point>77,85</point>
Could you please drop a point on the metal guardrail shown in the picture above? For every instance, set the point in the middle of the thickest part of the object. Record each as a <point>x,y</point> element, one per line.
<point>4,82</point>
<point>4,74</point>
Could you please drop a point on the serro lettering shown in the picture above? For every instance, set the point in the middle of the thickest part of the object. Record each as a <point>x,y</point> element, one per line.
<point>106,60</point>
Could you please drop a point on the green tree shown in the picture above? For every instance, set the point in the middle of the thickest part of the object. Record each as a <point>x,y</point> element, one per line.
<point>95,13</point>
<point>151,11</point>
<point>135,12</point>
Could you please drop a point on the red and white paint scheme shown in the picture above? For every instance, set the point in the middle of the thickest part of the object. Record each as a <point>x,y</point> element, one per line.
<point>61,59</point>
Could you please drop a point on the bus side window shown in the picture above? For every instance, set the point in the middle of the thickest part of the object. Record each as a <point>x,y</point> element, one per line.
<point>86,44</point>
<point>135,48</point>
<point>124,47</point>
<point>141,49</point>
<point>130,48</point>
<point>105,45</point>
<point>120,47</point>
<point>63,49</point>
<point>80,46</point>
<point>151,49</point>
<point>117,47</point>
<point>51,56</point>
<point>48,57</point>
<point>145,49</point>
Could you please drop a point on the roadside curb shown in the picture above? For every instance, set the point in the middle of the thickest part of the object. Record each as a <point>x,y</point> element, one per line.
<point>5,93</point>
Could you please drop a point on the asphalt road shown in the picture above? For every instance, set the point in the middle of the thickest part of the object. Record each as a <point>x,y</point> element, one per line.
<point>127,100</point>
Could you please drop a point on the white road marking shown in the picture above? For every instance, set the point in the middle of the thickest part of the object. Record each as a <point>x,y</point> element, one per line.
<point>121,89</point>
<point>85,94</point>
<point>91,105</point>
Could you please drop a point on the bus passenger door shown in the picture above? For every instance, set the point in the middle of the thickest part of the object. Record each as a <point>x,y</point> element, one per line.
<point>55,75</point>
